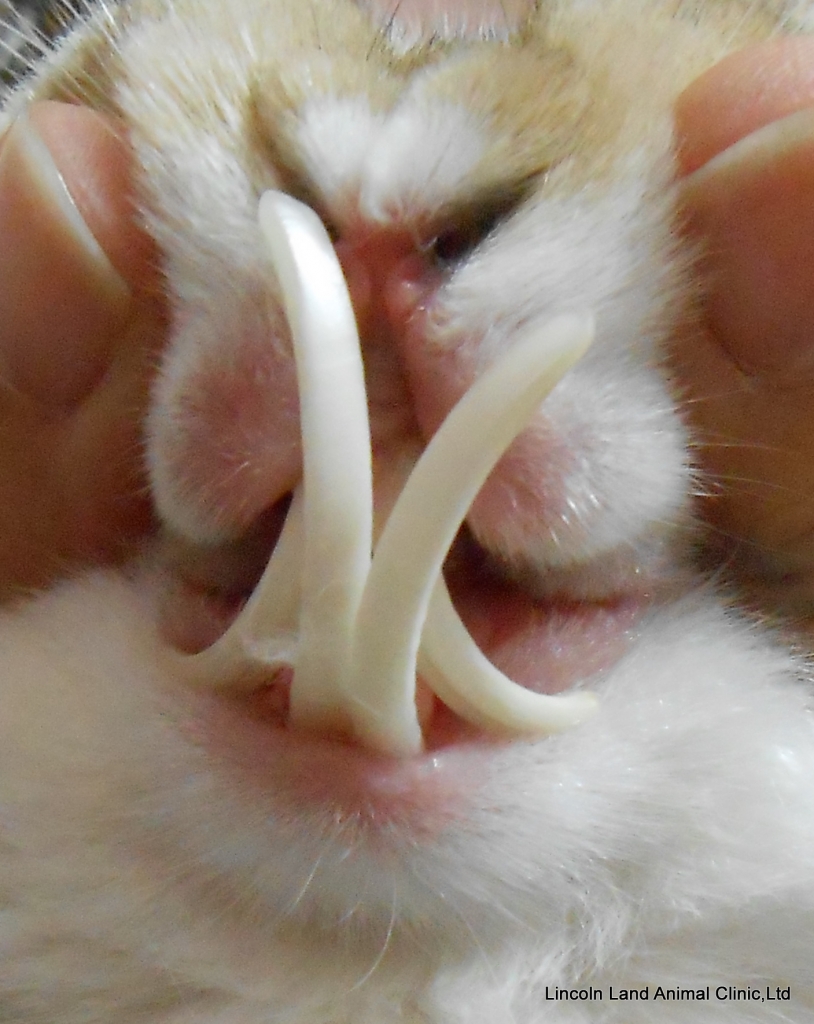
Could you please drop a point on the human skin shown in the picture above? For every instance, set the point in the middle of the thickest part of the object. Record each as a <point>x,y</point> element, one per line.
<point>78,334</point>
<point>80,330</point>
<point>746,143</point>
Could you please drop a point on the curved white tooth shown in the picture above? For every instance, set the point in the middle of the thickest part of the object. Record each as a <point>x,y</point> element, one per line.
<point>338,509</point>
<point>273,610</point>
<point>425,519</point>
<point>263,636</point>
<point>361,669</point>
<point>466,681</point>
<point>303,610</point>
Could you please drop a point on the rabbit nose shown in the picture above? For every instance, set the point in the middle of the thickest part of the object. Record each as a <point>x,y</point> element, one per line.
<point>387,278</point>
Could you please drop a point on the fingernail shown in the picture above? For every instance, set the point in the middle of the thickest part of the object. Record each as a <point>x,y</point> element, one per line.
<point>752,206</point>
<point>61,299</point>
<point>742,93</point>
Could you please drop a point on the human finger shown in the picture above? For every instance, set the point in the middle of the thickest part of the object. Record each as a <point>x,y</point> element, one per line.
<point>746,134</point>
<point>81,318</point>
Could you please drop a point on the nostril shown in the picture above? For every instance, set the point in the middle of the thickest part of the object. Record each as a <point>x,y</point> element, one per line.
<point>270,703</point>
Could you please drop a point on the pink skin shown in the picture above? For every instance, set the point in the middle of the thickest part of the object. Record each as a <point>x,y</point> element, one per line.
<point>247,740</point>
<point>525,486</point>
<point>392,287</point>
<point>223,457</point>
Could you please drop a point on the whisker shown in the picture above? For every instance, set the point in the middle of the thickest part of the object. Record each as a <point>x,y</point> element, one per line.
<point>750,484</point>
<point>330,842</point>
<point>22,44</point>
<point>385,944</point>
<point>703,443</point>
<point>479,947</point>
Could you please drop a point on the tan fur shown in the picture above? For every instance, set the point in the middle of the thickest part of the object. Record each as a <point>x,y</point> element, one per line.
<point>600,95</point>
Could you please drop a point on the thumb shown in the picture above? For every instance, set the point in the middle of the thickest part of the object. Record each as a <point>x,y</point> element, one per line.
<point>80,321</point>
<point>746,135</point>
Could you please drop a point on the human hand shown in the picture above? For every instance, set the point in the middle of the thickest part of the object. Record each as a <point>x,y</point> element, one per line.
<point>80,324</point>
<point>746,141</point>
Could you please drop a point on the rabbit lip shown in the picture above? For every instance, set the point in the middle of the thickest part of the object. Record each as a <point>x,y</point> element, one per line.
<point>548,641</point>
<point>546,637</point>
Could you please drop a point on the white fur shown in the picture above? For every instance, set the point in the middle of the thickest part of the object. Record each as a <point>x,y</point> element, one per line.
<point>390,168</point>
<point>419,161</point>
<point>616,256</point>
<point>667,842</point>
<point>335,136</point>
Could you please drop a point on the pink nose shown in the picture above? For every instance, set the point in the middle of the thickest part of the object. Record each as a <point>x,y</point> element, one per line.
<point>386,277</point>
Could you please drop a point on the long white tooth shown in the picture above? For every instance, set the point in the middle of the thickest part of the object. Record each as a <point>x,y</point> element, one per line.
<point>361,669</point>
<point>425,519</point>
<point>466,681</point>
<point>338,500</point>
<point>263,637</point>
<point>273,610</point>
<point>303,610</point>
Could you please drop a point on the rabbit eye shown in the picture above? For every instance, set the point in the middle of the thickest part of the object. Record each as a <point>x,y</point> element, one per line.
<point>452,247</point>
<point>464,233</point>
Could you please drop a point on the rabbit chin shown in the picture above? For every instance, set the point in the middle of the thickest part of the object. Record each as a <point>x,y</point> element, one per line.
<point>168,813</point>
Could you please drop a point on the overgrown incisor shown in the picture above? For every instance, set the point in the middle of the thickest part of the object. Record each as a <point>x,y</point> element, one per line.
<point>354,626</point>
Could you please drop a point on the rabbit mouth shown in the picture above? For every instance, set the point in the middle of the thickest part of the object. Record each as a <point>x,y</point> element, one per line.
<point>206,588</point>
<point>352,620</point>
<point>546,638</point>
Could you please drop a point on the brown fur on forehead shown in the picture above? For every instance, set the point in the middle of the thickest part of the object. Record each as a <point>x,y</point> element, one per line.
<point>533,99</point>
<point>500,85</point>
<point>575,86</point>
